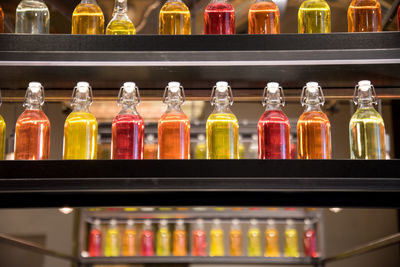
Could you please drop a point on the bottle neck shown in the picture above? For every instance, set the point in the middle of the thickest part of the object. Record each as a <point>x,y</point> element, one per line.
<point>273,106</point>
<point>33,106</point>
<point>81,106</point>
<point>365,104</point>
<point>312,107</point>
<point>121,7</point>
<point>89,2</point>
<point>222,107</point>
<point>128,109</point>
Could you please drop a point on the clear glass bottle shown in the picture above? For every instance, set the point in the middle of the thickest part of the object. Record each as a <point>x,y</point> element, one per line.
<point>367,129</point>
<point>80,129</point>
<point>271,240</point>
<point>219,18</point>
<point>2,134</point>
<point>180,239</point>
<point>32,16</point>
<point>120,24</point>
<point>254,239</point>
<point>291,240</point>
<point>364,16</point>
<point>32,131</point>
<point>174,125</point>
<point>1,20</point>
<point>313,126</point>
<point>314,17</point>
<point>88,18</point>
<point>217,239</point>
<point>129,239</point>
<point>128,126</point>
<point>147,239</point>
<point>222,125</point>
<point>201,148</point>
<point>163,239</point>
<point>95,239</point>
<point>263,18</point>
<point>309,240</point>
<point>150,147</point>
<point>235,239</point>
<point>111,248</point>
<point>273,126</point>
<point>199,243</point>
<point>174,18</point>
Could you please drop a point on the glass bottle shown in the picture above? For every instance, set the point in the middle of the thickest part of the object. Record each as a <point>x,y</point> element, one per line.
<point>2,134</point>
<point>1,20</point>
<point>32,16</point>
<point>271,240</point>
<point>179,239</point>
<point>32,131</point>
<point>263,18</point>
<point>95,239</point>
<point>309,240</point>
<point>147,240</point>
<point>364,16</point>
<point>88,18</point>
<point>174,125</point>
<point>273,126</point>
<point>150,147</point>
<point>235,239</point>
<point>314,17</point>
<point>112,240</point>
<point>219,18</point>
<point>129,239</point>
<point>367,129</point>
<point>291,242</point>
<point>120,24</point>
<point>313,126</point>
<point>80,129</point>
<point>128,126</point>
<point>201,148</point>
<point>174,18</point>
<point>254,239</point>
<point>216,239</point>
<point>163,239</point>
<point>398,19</point>
<point>199,244</point>
<point>222,125</point>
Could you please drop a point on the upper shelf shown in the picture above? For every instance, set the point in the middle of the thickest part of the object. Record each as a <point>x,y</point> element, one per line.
<point>336,60</point>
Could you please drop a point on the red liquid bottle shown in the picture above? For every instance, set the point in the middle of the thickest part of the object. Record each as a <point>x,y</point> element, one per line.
<point>199,244</point>
<point>128,126</point>
<point>219,18</point>
<point>273,126</point>
<point>147,240</point>
<point>32,132</point>
<point>95,240</point>
<point>310,240</point>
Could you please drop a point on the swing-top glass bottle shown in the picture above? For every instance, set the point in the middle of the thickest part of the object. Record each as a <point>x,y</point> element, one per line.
<point>120,24</point>
<point>32,17</point>
<point>88,18</point>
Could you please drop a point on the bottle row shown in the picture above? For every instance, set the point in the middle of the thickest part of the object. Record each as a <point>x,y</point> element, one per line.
<point>125,240</point>
<point>314,16</point>
<point>32,131</point>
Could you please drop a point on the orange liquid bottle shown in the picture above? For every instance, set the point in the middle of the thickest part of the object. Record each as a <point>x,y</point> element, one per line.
<point>313,127</point>
<point>264,18</point>
<point>32,132</point>
<point>1,20</point>
<point>272,240</point>
<point>174,126</point>
<point>235,239</point>
<point>364,16</point>
<point>129,239</point>
<point>179,239</point>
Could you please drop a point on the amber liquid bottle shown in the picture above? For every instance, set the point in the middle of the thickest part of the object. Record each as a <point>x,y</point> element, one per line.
<point>88,18</point>
<point>32,132</point>
<point>174,18</point>
<point>179,246</point>
<point>264,18</point>
<point>364,16</point>
<point>313,127</point>
<point>1,20</point>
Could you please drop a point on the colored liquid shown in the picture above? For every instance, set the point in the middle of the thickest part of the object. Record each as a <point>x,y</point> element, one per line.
<point>272,243</point>
<point>200,151</point>
<point>146,243</point>
<point>174,19</point>
<point>32,136</point>
<point>398,19</point>
<point>127,137</point>
<point>95,243</point>
<point>222,136</point>
<point>264,18</point>
<point>254,242</point>
<point>310,244</point>
<point>163,242</point>
<point>314,17</point>
<point>364,16</point>
<point>291,247</point>
<point>217,242</point>
<point>314,136</point>
<point>179,243</point>
<point>1,20</point>
<point>150,151</point>
<point>273,135</point>
<point>120,27</point>
<point>174,136</point>
<point>129,243</point>
<point>199,243</point>
<point>219,18</point>
<point>80,136</point>
<point>87,19</point>
<point>235,243</point>
<point>367,135</point>
<point>112,243</point>
<point>32,17</point>
<point>2,137</point>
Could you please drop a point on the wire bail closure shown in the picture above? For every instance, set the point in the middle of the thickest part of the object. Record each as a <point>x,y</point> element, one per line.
<point>136,100</point>
<point>182,97</point>
<point>213,98</point>
<point>356,97</point>
<point>29,92</point>
<point>281,96</point>
<point>321,96</point>
<point>74,95</point>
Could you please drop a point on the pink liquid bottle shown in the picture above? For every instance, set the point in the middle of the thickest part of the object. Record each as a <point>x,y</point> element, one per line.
<point>147,240</point>
<point>199,244</point>
<point>128,127</point>
<point>309,240</point>
<point>95,239</point>
<point>273,126</point>
<point>219,18</point>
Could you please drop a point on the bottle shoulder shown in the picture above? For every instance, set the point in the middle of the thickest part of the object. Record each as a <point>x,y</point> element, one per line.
<point>174,116</point>
<point>218,7</point>
<point>276,115</point>
<point>31,4</point>
<point>222,117</point>
<point>264,6</point>
<point>315,116</point>
<point>88,8</point>
<point>79,115</point>
<point>175,6</point>
<point>35,114</point>
<point>367,113</point>
<point>365,3</point>
<point>128,118</point>
<point>314,4</point>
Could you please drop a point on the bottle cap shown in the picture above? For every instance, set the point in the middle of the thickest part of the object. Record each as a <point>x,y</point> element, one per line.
<point>35,87</point>
<point>129,87</point>
<point>147,222</point>
<point>307,222</point>
<point>312,87</point>
<point>253,222</point>
<point>113,222</point>
<point>201,137</point>
<point>235,222</point>
<point>180,222</point>
<point>130,222</point>
<point>83,87</point>
<point>222,86</point>
<point>199,221</point>
<point>289,222</point>
<point>273,87</point>
<point>270,222</point>
<point>174,86</point>
<point>217,221</point>
<point>163,222</point>
<point>97,222</point>
<point>364,85</point>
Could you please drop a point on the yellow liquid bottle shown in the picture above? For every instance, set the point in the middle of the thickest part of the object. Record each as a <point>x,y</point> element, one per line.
<point>222,126</point>
<point>200,151</point>
<point>120,24</point>
<point>314,17</point>
<point>291,240</point>
<point>129,239</point>
<point>163,239</point>
<point>367,129</point>
<point>271,240</point>
<point>217,239</point>
<point>254,239</point>
<point>80,129</point>
<point>111,248</point>
<point>174,18</point>
<point>235,239</point>
<point>88,18</point>
<point>2,135</point>
<point>179,239</point>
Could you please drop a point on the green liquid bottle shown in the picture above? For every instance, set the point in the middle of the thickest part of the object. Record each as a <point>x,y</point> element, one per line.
<point>314,17</point>
<point>163,239</point>
<point>367,129</point>
<point>112,240</point>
